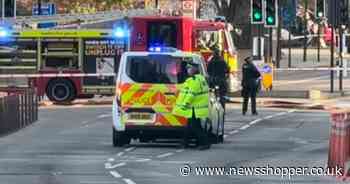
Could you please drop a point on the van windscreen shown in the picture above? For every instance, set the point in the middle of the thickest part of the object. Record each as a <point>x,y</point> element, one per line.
<point>160,70</point>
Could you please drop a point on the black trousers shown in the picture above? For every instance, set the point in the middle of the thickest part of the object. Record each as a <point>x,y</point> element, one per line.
<point>252,96</point>
<point>194,126</point>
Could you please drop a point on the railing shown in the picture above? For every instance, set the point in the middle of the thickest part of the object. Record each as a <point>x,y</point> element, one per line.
<point>18,111</point>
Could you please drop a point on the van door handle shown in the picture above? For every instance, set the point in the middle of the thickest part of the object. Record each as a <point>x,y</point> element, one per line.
<point>169,93</point>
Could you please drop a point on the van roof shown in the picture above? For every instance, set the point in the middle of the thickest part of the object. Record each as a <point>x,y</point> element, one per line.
<point>174,54</point>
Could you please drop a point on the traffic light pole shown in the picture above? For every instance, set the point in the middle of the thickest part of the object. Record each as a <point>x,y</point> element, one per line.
<point>318,41</point>
<point>278,46</point>
<point>270,45</point>
<point>3,10</point>
<point>341,59</point>
<point>305,32</point>
<point>332,60</point>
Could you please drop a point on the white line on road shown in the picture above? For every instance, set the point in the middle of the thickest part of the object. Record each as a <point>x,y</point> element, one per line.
<point>116,165</point>
<point>244,127</point>
<point>225,136</point>
<point>115,174</point>
<point>291,111</point>
<point>180,150</point>
<point>269,117</point>
<point>129,181</point>
<point>120,154</point>
<point>104,116</point>
<point>164,155</point>
<point>129,149</point>
<point>299,81</point>
<point>108,165</point>
<point>97,182</point>
<point>281,114</point>
<point>233,132</point>
<point>111,160</point>
<point>143,160</point>
<point>255,122</point>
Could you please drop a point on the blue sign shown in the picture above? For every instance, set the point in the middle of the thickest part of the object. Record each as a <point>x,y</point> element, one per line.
<point>44,25</point>
<point>267,69</point>
<point>46,9</point>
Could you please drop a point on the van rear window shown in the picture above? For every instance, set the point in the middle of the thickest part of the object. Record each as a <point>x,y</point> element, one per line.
<point>160,69</point>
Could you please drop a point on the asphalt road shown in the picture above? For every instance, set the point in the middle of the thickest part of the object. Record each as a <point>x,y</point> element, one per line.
<point>73,146</point>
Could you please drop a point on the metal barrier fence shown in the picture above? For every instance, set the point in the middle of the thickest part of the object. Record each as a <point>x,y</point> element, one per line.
<point>18,111</point>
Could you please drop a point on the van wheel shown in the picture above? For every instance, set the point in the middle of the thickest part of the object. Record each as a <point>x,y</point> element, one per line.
<point>120,139</point>
<point>61,90</point>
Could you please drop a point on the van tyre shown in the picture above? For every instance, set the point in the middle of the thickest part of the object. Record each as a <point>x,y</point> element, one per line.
<point>61,90</point>
<point>120,138</point>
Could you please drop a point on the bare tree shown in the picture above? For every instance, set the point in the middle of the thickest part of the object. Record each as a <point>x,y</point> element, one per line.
<point>235,11</point>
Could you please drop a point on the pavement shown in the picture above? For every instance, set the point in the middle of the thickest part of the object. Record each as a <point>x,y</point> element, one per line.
<point>73,145</point>
<point>303,84</point>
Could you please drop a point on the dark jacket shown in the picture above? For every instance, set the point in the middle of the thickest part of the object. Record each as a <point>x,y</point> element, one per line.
<point>250,77</point>
<point>217,67</point>
<point>218,70</point>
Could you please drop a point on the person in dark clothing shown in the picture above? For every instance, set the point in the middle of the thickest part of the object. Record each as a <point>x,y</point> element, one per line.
<point>218,71</point>
<point>250,84</point>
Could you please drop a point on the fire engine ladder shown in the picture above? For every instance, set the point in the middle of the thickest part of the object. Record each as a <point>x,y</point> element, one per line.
<point>83,18</point>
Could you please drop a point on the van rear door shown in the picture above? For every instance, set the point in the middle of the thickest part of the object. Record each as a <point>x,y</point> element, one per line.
<point>149,96</point>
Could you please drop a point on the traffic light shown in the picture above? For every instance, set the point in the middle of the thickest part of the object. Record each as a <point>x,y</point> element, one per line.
<point>320,8</point>
<point>344,12</point>
<point>256,11</point>
<point>9,8</point>
<point>271,13</point>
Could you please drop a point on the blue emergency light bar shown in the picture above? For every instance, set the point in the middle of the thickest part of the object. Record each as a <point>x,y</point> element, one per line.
<point>4,32</point>
<point>120,32</point>
<point>162,49</point>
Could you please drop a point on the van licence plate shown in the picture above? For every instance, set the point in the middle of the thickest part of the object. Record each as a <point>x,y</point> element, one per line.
<point>140,116</point>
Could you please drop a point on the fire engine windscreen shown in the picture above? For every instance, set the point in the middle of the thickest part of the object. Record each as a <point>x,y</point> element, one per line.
<point>157,69</point>
<point>162,34</point>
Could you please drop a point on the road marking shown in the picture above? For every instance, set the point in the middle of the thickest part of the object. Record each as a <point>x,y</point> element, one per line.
<point>244,127</point>
<point>84,122</point>
<point>108,165</point>
<point>115,174</point>
<point>281,114</point>
<point>255,121</point>
<point>299,81</point>
<point>116,165</point>
<point>260,119</point>
<point>164,155</point>
<point>143,160</point>
<point>104,116</point>
<point>180,150</point>
<point>96,182</point>
<point>225,136</point>
<point>120,154</point>
<point>233,132</point>
<point>129,149</point>
<point>291,111</point>
<point>129,181</point>
<point>111,160</point>
<point>268,117</point>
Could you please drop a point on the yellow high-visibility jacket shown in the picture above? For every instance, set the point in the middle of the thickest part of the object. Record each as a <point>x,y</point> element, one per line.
<point>194,94</point>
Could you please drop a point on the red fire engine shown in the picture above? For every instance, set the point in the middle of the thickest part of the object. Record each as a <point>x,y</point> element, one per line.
<point>99,51</point>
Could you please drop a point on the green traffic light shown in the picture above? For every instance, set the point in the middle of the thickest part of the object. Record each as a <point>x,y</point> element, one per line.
<point>320,14</point>
<point>257,16</point>
<point>270,20</point>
